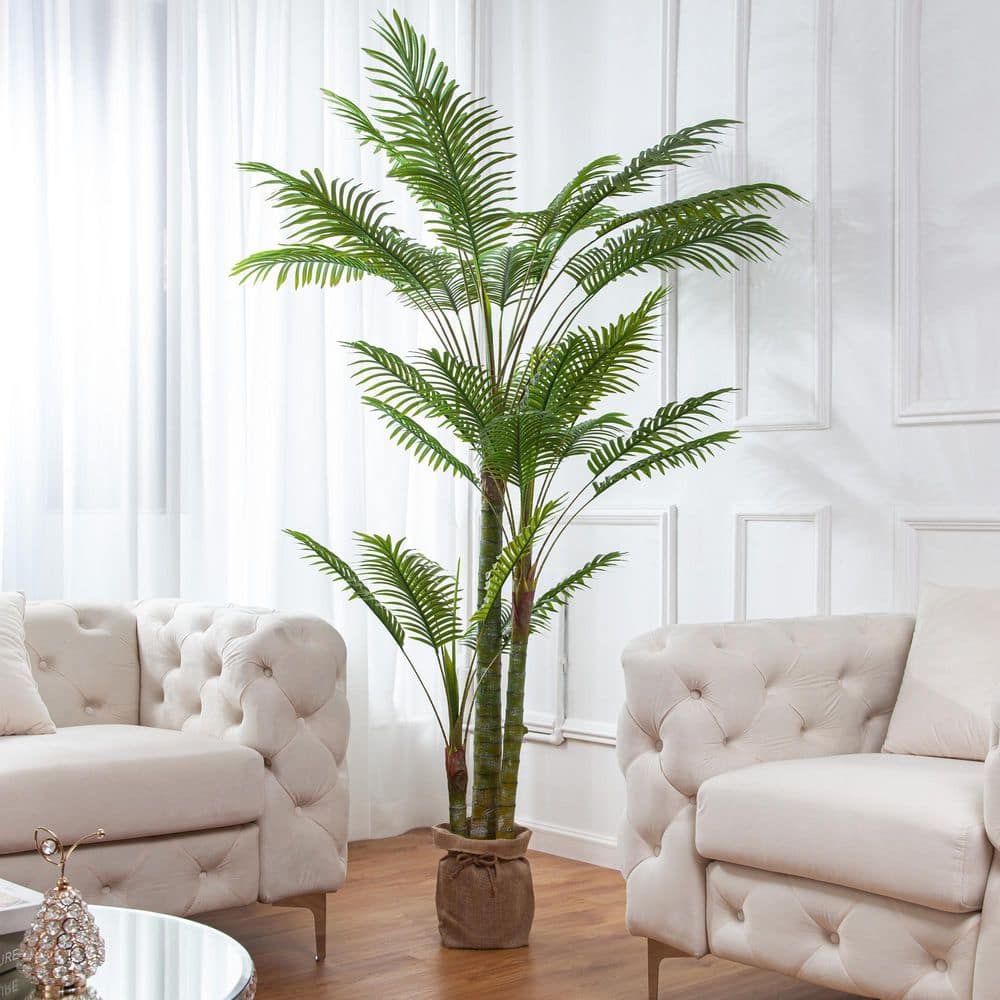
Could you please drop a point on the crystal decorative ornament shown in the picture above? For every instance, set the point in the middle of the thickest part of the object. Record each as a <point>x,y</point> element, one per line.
<point>63,947</point>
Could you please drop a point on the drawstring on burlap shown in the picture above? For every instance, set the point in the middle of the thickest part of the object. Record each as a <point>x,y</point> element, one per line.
<point>488,862</point>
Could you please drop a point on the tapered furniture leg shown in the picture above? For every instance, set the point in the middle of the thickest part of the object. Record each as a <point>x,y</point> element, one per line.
<point>315,903</point>
<point>656,952</point>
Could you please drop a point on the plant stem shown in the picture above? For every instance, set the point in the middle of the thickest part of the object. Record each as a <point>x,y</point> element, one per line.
<point>458,780</point>
<point>488,729</point>
<point>514,729</point>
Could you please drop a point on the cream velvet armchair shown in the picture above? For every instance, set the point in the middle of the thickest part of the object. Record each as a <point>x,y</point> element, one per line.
<point>209,743</point>
<point>765,826</point>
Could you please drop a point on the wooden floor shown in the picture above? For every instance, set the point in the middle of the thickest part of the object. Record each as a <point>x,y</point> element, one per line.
<point>382,942</point>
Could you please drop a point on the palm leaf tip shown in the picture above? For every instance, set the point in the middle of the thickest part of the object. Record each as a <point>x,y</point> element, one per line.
<point>326,561</point>
<point>556,597</point>
<point>416,589</point>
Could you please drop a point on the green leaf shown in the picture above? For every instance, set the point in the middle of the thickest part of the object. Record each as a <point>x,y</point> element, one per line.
<point>641,171</point>
<point>511,554</point>
<point>720,204</point>
<point>541,223</point>
<point>449,148</point>
<point>410,435</point>
<point>466,389</point>
<point>692,453</point>
<point>588,365</point>
<point>716,245</point>
<point>671,425</point>
<point>510,272</point>
<point>307,263</point>
<point>329,562</point>
<point>355,219</point>
<point>555,597</point>
<point>418,591</point>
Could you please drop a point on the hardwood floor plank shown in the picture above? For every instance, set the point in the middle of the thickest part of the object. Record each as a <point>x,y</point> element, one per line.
<point>383,944</point>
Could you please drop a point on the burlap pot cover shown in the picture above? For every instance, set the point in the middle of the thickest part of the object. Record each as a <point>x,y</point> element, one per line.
<point>485,898</point>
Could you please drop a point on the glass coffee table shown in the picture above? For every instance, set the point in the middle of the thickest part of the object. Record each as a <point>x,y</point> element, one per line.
<point>151,956</point>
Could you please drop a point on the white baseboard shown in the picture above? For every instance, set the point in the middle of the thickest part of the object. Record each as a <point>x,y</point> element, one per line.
<point>578,845</point>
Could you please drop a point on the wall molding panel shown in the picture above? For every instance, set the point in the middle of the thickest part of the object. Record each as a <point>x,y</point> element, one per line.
<point>911,523</point>
<point>816,515</point>
<point>910,408</point>
<point>669,37</point>
<point>819,417</point>
<point>556,728</point>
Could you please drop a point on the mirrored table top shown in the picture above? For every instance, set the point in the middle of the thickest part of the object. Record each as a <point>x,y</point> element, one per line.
<point>152,956</point>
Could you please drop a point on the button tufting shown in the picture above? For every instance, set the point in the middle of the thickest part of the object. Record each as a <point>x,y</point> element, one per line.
<point>298,810</point>
<point>834,938</point>
<point>740,916</point>
<point>725,740</point>
<point>43,664</point>
<point>941,965</point>
<point>203,874</point>
<point>695,693</point>
<point>658,745</point>
<point>89,709</point>
<point>267,762</point>
<point>106,890</point>
<point>268,671</point>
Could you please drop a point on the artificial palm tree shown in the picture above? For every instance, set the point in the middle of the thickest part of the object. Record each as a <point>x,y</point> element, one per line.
<point>511,398</point>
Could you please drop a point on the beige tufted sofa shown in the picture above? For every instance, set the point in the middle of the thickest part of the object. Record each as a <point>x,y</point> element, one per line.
<point>765,826</point>
<point>209,743</point>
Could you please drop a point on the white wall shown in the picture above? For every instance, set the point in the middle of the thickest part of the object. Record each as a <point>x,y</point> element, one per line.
<point>868,354</point>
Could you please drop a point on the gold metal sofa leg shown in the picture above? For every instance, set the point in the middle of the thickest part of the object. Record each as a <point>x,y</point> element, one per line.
<point>656,952</point>
<point>315,903</point>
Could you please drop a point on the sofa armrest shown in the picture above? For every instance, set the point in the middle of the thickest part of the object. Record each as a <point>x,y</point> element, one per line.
<point>703,699</point>
<point>991,790</point>
<point>274,682</point>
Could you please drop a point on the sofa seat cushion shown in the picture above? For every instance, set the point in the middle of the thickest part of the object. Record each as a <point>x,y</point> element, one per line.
<point>910,828</point>
<point>133,781</point>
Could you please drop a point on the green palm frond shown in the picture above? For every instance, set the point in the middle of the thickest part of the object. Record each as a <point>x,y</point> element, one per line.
<point>672,425</point>
<point>587,436</point>
<point>354,218</point>
<point>511,554</point>
<point>306,263</point>
<point>465,388</point>
<point>640,173</point>
<point>328,562</point>
<point>541,223</point>
<point>588,365</point>
<point>716,245</point>
<point>692,453</point>
<point>449,147</point>
<point>511,271</point>
<point>406,432</point>
<point>416,589</point>
<point>521,446</point>
<point>555,597</point>
<point>365,129</point>
<point>719,204</point>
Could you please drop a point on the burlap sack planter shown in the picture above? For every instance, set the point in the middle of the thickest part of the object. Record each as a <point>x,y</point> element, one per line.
<point>485,898</point>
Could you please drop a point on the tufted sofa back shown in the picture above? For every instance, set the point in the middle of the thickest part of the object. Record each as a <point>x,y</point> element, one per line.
<point>85,658</point>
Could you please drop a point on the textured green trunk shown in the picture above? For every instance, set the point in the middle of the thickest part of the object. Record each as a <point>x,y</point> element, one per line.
<point>514,729</point>
<point>489,730</point>
<point>458,780</point>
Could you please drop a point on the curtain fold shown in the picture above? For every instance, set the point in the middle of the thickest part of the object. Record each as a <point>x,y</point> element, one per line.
<point>161,424</point>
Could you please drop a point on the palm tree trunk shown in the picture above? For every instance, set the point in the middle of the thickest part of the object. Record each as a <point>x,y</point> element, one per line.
<point>488,730</point>
<point>458,779</point>
<point>514,728</point>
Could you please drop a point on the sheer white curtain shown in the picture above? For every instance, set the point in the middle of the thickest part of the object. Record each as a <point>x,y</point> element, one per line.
<point>159,425</point>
